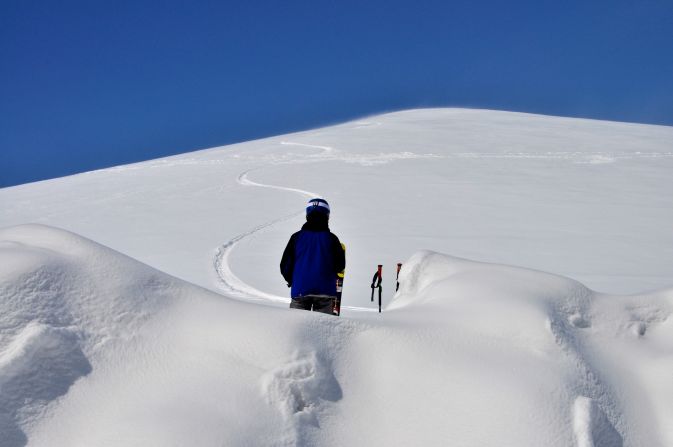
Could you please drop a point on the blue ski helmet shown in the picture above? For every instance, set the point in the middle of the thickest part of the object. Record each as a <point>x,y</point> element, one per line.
<point>317,206</point>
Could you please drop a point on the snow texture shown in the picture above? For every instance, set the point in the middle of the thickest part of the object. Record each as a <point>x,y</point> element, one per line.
<point>193,344</point>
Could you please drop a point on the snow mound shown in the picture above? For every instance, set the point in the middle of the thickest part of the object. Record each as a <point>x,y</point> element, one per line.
<point>63,299</point>
<point>92,338</point>
<point>596,353</point>
<point>492,296</point>
<point>468,353</point>
<point>59,278</point>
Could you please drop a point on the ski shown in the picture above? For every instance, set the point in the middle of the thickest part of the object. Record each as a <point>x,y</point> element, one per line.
<point>336,309</point>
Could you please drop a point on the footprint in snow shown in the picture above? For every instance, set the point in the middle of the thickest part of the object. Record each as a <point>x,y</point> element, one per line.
<point>579,321</point>
<point>39,365</point>
<point>300,387</point>
<point>638,328</point>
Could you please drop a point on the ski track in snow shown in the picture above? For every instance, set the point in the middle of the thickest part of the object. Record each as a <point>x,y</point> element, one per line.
<point>232,283</point>
<point>326,149</point>
<point>363,124</point>
<point>228,279</point>
<point>368,159</point>
<point>245,181</point>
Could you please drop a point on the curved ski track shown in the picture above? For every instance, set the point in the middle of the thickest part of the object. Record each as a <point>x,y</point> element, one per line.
<point>233,285</point>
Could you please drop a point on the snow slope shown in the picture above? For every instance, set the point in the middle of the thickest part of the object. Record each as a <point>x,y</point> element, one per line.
<point>97,348</point>
<point>586,199</point>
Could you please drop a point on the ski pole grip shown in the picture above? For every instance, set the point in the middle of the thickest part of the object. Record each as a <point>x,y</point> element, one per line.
<point>376,280</point>
<point>399,267</point>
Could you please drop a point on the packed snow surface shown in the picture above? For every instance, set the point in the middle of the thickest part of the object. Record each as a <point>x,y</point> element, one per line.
<point>142,304</point>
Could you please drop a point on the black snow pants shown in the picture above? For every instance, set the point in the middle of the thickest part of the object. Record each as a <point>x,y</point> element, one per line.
<point>317,303</point>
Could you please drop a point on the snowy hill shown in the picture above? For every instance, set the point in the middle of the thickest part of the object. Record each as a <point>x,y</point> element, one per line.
<point>190,343</point>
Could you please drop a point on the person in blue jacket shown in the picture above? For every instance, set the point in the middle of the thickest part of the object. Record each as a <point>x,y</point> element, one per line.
<point>311,261</point>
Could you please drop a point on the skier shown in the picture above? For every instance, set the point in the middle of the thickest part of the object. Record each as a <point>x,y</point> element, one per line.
<point>311,261</point>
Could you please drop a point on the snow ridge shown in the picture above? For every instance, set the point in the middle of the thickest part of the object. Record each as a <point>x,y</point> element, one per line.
<point>575,316</point>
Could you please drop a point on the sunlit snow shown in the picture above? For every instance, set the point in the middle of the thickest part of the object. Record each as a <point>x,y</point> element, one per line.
<point>142,304</point>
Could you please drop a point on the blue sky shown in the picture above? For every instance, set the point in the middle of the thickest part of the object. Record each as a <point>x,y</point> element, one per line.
<point>85,85</point>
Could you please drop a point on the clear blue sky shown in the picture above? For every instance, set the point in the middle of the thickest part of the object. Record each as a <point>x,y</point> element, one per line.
<point>90,84</point>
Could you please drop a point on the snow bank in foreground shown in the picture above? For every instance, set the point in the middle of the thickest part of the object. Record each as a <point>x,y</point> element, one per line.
<point>64,298</point>
<point>605,360</point>
<point>98,349</point>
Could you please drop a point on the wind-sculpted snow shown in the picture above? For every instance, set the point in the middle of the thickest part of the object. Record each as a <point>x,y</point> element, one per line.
<point>584,335</point>
<point>63,299</point>
<point>40,364</point>
<point>468,353</point>
<point>91,338</point>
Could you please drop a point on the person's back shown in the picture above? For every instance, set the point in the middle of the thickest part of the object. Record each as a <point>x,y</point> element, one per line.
<point>311,261</point>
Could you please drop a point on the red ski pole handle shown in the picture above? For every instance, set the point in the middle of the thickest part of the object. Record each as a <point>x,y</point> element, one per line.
<point>399,267</point>
<point>377,279</point>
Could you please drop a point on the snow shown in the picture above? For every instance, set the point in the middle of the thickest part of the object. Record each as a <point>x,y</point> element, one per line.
<point>142,305</point>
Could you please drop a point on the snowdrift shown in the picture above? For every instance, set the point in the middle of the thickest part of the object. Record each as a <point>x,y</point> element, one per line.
<point>562,356</point>
<point>99,349</point>
<point>65,300</point>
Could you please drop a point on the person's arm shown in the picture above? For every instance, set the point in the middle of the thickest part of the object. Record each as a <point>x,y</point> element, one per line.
<point>287,261</point>
<point>338,255</point>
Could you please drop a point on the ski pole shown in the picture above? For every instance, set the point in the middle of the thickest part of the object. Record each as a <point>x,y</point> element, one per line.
<point>380,287</point>
<point>399,266</point>
<point>376,283</point>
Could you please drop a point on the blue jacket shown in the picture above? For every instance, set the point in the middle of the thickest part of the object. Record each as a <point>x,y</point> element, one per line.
<point>312,258</point>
